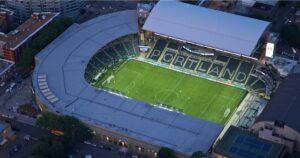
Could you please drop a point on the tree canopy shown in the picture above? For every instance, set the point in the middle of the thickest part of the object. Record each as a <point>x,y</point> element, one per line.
<point>291,33</point>
<point>165,153</point>
<point>282,3</point>
<point>258,16</point>
<point>57,146</point>
<point>72,128</point>
<point>43,38</point>
<point>27,56</point>
<point>50,147</point>
<point>297,4</point>
<point>198,154</point>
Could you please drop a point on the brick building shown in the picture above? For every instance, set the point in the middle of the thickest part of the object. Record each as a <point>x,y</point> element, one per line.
<point>11,44</point>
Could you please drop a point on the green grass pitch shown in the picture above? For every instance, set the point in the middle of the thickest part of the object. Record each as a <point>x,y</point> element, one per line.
<point>195,96</point>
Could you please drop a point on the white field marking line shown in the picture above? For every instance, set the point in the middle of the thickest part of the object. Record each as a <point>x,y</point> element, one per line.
<point>130,87</point>
<point>155,91</point>
<point>117,77</point>
<point>161,92</point>
<point>235,110</point>
<point>221,112</point>
<point>208,108</point>
<point>133,81</point>
<point>187,101</point>
<point>207,105</point>
<point>173,89</point>
<point>120,67</point>
<point>110,78</point>
<point>210,111</point>
<point>231,100</point>
<point>114,72</point>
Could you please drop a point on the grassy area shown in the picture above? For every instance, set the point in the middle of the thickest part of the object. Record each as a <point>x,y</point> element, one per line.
<point>194,96</point>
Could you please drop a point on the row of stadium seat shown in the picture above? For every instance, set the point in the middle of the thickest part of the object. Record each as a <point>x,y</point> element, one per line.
<point>112,53</point>
<point>220,66</point>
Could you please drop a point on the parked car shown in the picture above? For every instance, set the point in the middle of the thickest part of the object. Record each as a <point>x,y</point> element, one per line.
<point>2,84</point>
<point>27,137</point>
<point>90,143</point>
<point>88,156</point>
<point>17,148</point>
<point>12,85</point>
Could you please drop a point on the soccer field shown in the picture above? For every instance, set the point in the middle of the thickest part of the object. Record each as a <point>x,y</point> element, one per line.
<point>194,96</point>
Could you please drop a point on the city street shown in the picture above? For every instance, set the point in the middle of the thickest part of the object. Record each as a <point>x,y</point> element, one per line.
<point>27,147</point>
<point>97,152</point>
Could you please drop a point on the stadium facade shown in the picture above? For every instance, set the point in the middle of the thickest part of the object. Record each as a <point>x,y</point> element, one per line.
<point>66,67</point>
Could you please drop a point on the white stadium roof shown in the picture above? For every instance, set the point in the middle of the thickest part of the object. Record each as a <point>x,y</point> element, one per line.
<point>211,28</point>
<point>59,83</point>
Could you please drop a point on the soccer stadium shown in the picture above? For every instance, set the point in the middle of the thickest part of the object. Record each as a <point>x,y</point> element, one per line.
<point>140,86</point>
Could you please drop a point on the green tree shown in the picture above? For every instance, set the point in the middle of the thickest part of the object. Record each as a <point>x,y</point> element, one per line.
<point>48,121</point>
<point>165,153</point>
<point>258,16</point>
<point>74,130</point>
<point>66,22</point>
<point>282,3</point>
<point>291,33</point>
<point>50,147</point>
<point>43,38</point>
<point>297,4</point>
<point>27,56</point>
<point>82,11</point>
<point>57,146</point>
<point>198,154</point>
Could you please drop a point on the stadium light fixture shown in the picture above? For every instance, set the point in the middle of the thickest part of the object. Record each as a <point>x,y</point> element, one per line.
<point>270,50</point>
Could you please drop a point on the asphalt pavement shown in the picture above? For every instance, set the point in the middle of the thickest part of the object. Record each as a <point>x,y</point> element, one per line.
<point>26,147</point>
<point>97,152</point>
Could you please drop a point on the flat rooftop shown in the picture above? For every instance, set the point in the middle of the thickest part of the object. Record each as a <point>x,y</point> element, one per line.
<point>206,27</point>
<point>239,143</point>
<point>59,83</point>
<point>30,27</point>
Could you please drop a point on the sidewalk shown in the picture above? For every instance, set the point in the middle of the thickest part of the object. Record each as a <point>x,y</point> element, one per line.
<point>19,117</point>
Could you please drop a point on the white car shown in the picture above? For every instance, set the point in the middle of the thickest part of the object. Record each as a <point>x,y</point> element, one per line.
<point>2,84</point>
<point>12,85</point>
<point>134,156</point>
<point>90,143</point>
<point>27,137</point>
<point>88,156</point>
